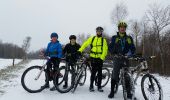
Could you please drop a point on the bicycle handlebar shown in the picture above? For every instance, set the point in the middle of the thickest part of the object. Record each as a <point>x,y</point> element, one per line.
<point>137,58</point>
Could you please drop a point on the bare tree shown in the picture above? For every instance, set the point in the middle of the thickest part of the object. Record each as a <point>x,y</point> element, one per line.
<point>14,55</point>
<point>144,25</point>
<point>166,47</point>
<point>135,27</point>
<point>82,37</point>
<point>159,18</point>
<point>26,45</point>
<point>119,13</point>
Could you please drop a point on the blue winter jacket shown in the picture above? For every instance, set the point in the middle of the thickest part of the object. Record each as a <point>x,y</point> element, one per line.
<point>54,50</point>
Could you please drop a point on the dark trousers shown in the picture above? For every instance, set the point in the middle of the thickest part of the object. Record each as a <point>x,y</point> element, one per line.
<point>70,66</point>
<point>55,61</point>
<point>118,63</point>
<point>97,65</point>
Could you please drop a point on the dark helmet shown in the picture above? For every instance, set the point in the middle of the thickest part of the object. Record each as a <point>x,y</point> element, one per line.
<point>54,35</point>
<point>72,37</point>
<point>99,29</point>
<point>122,24</point>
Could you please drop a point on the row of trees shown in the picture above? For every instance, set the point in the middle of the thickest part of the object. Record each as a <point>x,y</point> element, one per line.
<point>9,50</point>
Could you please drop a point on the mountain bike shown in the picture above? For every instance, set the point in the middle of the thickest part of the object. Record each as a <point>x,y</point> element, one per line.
<point>35,78</point>
<point>150,86</point>
<point>125,79</point>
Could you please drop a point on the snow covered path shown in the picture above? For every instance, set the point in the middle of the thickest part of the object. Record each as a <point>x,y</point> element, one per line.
<point>16,92</point>
<point>7,62</point>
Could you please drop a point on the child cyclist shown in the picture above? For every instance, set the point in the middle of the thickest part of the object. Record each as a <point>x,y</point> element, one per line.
<point>54,51</point>
<point>70,51</point>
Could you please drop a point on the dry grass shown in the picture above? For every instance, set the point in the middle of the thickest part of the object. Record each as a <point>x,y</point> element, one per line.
<point>7,74</point>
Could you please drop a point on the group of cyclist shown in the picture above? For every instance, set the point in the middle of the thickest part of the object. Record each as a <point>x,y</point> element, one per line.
<point>120,43</point>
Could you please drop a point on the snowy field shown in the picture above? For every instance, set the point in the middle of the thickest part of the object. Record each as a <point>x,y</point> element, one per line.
<point>7,62</point>
<point>14,91</point>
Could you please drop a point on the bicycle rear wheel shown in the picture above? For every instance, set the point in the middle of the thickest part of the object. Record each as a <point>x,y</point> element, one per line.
<point>34,79</point>
<point>151,88</point>
<point>105,77</point>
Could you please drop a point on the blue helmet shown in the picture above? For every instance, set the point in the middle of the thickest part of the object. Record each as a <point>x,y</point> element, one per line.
<point>54,35</point>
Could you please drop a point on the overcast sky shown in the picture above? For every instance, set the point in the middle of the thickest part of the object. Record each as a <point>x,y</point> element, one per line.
<point>39,18</point>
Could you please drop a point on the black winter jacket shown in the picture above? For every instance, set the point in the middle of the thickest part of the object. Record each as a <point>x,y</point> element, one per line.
<point>70,51</point>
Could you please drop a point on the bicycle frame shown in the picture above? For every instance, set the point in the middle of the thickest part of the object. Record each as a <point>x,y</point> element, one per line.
<point>141,68</point>
<point>39,74</point>
<point>43,68</point>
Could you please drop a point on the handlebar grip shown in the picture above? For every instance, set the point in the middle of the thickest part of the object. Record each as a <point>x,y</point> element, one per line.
<point>152,57</point>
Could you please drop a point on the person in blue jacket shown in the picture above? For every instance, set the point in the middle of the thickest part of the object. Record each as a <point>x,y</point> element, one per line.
<point>121,44</point>
<point>54,51</point>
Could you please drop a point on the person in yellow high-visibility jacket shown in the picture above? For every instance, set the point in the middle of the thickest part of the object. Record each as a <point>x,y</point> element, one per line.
<point>98,53</point>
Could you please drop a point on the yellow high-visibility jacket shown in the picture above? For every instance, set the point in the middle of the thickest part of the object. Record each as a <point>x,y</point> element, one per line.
<point>97,51</point>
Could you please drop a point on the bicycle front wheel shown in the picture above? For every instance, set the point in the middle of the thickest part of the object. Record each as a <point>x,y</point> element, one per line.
<point>84,75</point>
<point>65,84</point>
<point>77,79</point>
<point>151,88</point>
<point>128,86</point>
<point>34,79</point>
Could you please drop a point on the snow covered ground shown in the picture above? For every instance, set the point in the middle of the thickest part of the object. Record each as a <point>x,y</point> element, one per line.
<point>14,91</point>
<point>7,62</point>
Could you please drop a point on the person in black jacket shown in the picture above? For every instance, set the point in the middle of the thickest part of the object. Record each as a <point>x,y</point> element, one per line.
<point>70,52</point>
<point>120,44</point>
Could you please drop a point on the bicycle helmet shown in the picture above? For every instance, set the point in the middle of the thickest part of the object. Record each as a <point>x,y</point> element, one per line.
<point>54,35</point>
<point>122,24</point>
<point>99,29</point>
